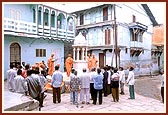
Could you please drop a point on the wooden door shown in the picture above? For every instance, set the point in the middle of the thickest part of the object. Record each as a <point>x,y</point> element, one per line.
<point>101,60</point>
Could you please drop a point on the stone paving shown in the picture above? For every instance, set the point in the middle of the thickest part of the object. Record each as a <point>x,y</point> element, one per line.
<point>140,104</point>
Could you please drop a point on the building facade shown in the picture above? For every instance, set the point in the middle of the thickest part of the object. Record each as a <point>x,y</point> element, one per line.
<point>118,35</point>
<point>31,32</point>
<point>158,45</point>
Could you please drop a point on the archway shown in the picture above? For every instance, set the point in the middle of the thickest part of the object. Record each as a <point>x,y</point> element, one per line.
<point>15,54</point>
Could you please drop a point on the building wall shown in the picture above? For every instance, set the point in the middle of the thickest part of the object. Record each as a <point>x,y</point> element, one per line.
<point>124,16</point>
<point>20,27</point>
<point>22,11</point>
<point>28,50</point>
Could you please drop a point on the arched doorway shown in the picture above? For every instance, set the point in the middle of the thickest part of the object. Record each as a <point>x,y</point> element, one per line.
<point>15,54</point>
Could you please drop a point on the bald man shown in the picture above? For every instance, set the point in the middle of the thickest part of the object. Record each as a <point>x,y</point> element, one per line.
<point>51,64</point>
<point>68,64</point>
<point>94,61</point>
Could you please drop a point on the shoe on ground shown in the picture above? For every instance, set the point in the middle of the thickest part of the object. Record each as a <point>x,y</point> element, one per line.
<point>130,98</point>
<point>87,103</point>
<point>83,102</point>
<point>41,106</point>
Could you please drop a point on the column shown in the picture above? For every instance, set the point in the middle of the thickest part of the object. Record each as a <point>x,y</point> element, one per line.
<point>86,54</point>
<point>83,49</point>
<point>74,54</point>
<point>78,53</point>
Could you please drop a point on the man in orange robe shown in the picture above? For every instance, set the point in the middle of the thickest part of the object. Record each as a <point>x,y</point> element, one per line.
<point>94,61</point>
<point>51,64</point>
<point>68,64</point>
<point>89,59</point>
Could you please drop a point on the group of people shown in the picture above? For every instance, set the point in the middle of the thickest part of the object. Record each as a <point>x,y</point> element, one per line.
<point>91,60</point>
<point>51,64</point>
<point>90,84</point>
<point>31,81</point>
<point>28,80</point>
<point>93,84</point>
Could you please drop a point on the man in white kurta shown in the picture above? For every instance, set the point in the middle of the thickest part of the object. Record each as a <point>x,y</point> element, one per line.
<point>11,74</point>
<point>85,87</point>
<point>20,83</point>
<point>130,82</point>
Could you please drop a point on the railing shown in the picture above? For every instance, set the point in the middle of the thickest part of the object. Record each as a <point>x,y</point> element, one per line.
<point>53,32</point>
<point>136,44</point>
<point>20,26</point>
<point>61,33</point>
<point>27,28</point>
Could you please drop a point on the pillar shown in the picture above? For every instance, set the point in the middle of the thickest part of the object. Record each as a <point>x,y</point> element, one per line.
<point>74,53</point>
<point>78,49</point>
<point>83,51</point>
<point>86,53</point>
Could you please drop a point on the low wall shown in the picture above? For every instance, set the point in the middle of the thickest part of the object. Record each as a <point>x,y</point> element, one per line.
<point>143,67</point>
<point>19,102</point>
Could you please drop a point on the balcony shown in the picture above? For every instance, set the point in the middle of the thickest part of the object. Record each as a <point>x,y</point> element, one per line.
<point>99,24</point>
<point>136,44</point>
<point>28,29</point>
<point>19,27</point>
<point>138,26</point>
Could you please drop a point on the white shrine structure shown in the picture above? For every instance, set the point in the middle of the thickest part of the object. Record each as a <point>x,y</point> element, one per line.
<point>80,53</point>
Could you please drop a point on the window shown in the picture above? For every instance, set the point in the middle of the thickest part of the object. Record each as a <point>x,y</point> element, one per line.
<point>107,37</point>
<point>14,14</point>
<point>61,21</point>
<point>81,19</point>
<point>105,13</point>
<point>134,36</point>
<point>70,24</point>
<point>141,36</point>
<point>46,17</point>
<point>40,52</point>
<point>39,17</point>
<point>34,15</point>
<point>53,19</point>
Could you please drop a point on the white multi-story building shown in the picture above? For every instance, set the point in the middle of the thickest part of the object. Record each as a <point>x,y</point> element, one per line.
<point>118,35</point>
<point>31,32</point>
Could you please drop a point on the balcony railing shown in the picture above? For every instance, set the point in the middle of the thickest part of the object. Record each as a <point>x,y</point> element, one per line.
<point>20,26</point>
<point>136,44</point>
<point>28,28</point>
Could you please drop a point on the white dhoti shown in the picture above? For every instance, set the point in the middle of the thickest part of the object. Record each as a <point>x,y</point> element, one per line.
<point>85,94</point>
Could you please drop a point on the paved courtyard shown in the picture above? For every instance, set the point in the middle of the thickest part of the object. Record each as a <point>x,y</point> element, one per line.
<point>141,104</point>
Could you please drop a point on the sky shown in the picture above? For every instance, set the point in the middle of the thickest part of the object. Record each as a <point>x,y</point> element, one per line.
<point>157,8</point>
